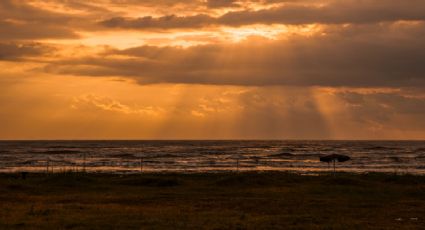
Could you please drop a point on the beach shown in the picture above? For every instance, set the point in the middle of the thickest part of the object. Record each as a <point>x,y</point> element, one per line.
<point>248,200</point>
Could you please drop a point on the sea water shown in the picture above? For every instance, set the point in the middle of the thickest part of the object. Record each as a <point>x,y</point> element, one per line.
<point>210,156</point>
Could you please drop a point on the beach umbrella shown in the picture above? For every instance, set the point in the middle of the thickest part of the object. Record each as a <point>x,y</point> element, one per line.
<point>333,158</point>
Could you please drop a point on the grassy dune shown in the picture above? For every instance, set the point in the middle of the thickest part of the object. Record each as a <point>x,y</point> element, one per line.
<point>212,201</point>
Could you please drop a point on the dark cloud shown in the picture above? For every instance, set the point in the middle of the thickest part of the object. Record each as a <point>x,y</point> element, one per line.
<point>165,22</point>
<point>21,21</point>
<point>87,6</point>
<point>31,30</point>
<point>380,55</point>
<point>221,3</point>
<point>15,52</point>
<point>21,10</point>
<point>336,12</point>
<point>155,2</point>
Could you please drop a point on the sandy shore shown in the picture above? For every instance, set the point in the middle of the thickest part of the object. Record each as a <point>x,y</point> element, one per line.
<point>212,201</point>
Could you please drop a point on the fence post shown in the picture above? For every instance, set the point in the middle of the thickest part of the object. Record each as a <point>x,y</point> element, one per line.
<point>84,162</point>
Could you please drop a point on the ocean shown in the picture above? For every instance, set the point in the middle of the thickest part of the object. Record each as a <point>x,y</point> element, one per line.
<point>210,156</point>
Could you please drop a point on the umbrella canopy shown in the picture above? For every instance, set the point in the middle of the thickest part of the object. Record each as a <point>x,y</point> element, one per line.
<point>334,157</point>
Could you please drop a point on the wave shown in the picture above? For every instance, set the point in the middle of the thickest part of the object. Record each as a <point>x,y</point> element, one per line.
<point>381,148</point>
<point>282,155</point>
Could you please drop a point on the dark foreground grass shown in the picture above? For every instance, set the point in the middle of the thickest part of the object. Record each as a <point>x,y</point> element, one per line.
<point>212,201</point>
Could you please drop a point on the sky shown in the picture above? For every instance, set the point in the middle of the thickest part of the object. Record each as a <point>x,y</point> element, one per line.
<point>212,69</point>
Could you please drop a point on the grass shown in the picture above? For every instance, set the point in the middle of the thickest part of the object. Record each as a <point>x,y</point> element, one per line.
<point>212,201</point>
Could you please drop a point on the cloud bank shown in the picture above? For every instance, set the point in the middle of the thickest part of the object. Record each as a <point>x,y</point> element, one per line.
<point>339,69</point>
<point>385,55</point>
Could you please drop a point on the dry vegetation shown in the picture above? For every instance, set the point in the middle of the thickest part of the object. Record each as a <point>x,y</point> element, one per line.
<point>211,201</point>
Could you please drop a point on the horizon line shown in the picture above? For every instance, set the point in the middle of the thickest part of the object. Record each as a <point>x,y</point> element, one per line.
<point>241,139</point>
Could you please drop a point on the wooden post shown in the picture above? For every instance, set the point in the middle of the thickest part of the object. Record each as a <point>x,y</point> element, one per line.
<point>47,165</point>
<point>237,165</point>
<point>141,165</point>
<point>84,162</point>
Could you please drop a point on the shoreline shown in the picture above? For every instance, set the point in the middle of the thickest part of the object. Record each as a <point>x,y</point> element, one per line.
<point>219,172</point>
<point>213,172</point>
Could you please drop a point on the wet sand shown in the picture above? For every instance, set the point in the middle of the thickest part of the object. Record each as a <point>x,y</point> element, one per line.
<point>269,200</point>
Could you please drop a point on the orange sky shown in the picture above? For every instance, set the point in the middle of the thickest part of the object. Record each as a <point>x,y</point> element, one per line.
<point>212,69</point>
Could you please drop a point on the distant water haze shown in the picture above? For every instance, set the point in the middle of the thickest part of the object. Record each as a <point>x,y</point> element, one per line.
<point>210,156</point>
